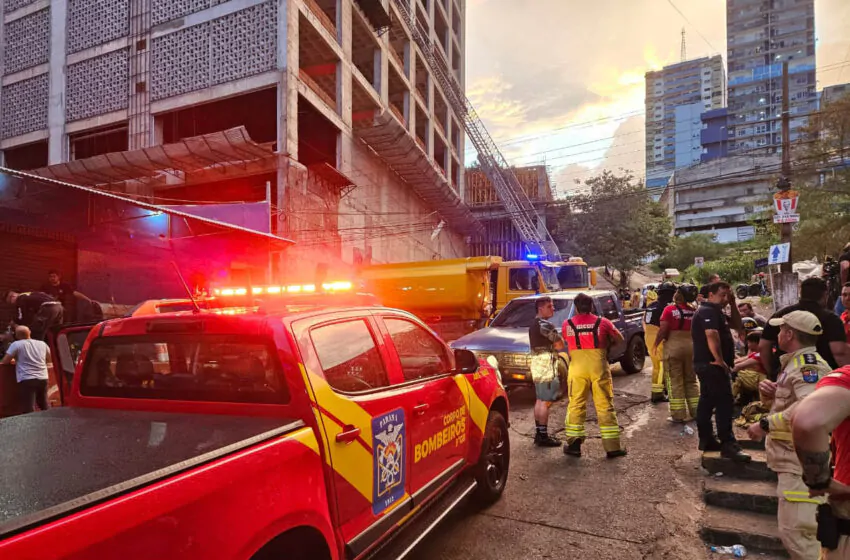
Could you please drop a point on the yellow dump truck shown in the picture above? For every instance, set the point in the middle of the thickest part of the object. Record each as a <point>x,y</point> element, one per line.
<point>458,296</point>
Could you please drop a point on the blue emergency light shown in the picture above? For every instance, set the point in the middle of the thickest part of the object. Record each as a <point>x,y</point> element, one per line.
<point>532,257</point>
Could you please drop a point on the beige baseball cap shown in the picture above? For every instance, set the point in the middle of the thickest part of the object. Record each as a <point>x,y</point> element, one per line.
<point>802,321</point>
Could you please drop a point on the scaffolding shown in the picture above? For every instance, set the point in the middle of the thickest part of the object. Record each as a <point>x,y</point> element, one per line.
<point>523,214</point>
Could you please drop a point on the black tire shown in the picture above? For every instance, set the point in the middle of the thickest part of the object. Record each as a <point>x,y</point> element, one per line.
<point>741,292</point>
<point>491,472</point>
<point>632,361</point>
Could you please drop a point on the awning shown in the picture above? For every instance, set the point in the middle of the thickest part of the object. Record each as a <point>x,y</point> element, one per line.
<point>11,204</point>
<point>218,150</point>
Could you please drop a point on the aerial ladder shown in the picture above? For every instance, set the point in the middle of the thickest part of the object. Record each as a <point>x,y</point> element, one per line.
<point>524,215</point>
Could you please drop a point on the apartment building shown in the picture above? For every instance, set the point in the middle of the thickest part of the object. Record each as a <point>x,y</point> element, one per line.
<point>328,111</point>
<point>761,36</point>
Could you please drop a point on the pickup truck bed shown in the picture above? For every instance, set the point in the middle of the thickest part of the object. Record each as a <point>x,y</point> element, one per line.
<point>67,459</point>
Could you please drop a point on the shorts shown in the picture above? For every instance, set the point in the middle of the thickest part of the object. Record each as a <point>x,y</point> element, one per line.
<point>548,391</point>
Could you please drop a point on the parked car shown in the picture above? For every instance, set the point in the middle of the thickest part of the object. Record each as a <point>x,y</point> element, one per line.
<point>302,432</point>
<point>507,336</point>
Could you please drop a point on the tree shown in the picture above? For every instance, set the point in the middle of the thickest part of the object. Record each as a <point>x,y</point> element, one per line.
<point>824,208</point>
<point>684,250</point>
<point>617,224</point>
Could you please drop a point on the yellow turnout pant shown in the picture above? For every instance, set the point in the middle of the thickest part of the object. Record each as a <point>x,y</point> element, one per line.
<point>682,386</point>
<point>651,333</point>
<point>590,373</point>
<point>797,523</point>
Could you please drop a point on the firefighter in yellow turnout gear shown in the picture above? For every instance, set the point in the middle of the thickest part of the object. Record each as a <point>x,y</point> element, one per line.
<point>802,368</point>
<point>652,323</point>
<point>588,338</point>
<point>678,354</point>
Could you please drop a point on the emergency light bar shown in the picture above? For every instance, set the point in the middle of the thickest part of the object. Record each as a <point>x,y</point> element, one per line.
<point>291,289</point>
<point>532,257</point>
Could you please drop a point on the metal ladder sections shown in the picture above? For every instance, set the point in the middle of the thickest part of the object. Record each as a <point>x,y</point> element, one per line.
<point>522,212</point>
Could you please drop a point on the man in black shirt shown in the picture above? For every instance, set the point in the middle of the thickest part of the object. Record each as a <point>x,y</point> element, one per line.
<point>35,310</point>
<point>714,357</point>
<point>61,291</point>
<point>545,341</point>
<point>832,344</point>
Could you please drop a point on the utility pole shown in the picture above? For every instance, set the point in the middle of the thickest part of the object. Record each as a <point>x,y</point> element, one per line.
<point>684,50</point>
<point>785,283</point>
<point>784,183</point>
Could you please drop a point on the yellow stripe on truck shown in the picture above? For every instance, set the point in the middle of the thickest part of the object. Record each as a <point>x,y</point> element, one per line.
<point>350,461</point>
<point>478,411</point>
<point>307,438</point>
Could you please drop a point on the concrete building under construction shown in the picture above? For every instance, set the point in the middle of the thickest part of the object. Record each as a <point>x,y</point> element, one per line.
<point>324,115</point>
<point>501,236</point>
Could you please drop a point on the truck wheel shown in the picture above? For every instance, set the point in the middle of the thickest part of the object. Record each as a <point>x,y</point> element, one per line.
<point>632,360</point>
<point>491,472</point>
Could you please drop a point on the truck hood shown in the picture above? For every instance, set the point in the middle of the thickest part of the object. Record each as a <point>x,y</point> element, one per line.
<point>495,339</point>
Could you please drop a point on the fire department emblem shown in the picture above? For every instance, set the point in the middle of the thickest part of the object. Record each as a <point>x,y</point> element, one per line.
<point>388,450</point>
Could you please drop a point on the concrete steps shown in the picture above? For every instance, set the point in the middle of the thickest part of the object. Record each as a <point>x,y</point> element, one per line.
<point>741,503</point>
<point>755,470</point>
<point>744,495</point>
<point>758,532</point>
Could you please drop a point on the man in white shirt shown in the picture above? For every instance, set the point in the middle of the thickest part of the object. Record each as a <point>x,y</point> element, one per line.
<point>30,358</point>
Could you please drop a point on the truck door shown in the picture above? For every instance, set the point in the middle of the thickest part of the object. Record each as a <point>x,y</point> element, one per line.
<point>66,344</point>
<point>366,426</point>
<point>435,405</point>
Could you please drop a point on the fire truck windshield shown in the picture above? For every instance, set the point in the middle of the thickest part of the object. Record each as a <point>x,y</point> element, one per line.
<point>567,277</point>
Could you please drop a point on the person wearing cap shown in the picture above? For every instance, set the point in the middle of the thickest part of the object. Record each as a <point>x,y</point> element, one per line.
<point>652,323</point>
<point>801,368</point>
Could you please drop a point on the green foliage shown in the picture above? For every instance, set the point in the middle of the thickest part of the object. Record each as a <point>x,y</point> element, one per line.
<point>617,224</point>
<point>733,269</point>
<point>766,300</point>
<point>683,251</point>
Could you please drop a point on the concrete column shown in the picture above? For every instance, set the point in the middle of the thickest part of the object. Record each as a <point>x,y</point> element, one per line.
<point>57,144</point>
<point>141,132</point>
<point>287,111</point>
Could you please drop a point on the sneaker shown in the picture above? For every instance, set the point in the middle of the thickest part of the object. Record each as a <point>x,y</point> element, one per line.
<point>545,441</point>
<point>617,453</point>
<point>731,450</point>
<point>710,445</point>
<point>573,448</point>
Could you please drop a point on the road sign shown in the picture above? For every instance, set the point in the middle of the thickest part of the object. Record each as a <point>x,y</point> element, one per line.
<point>760,263</point>
<point>778,254</point>
<point>786,218</point>
<point>699,261</point>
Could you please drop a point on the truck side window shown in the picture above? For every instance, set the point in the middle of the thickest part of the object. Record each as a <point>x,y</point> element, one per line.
<point>349,356</point>
<point>420,354</point>
<point>524,279</point>
<point>609,308</point>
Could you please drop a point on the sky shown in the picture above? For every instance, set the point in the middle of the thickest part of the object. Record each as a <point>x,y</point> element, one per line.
<point>561,82</point>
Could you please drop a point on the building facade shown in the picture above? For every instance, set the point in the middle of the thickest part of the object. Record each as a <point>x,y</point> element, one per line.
<point>700,82</point>
<point>723,196</point>
<point>714,136</point>
<point>761,36</point>
<point>501,237</point>
<point>834,93</point>
<point>366,148</point>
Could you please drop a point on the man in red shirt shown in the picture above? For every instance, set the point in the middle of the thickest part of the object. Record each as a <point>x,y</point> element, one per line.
<point>827,410</point>
<point>845,315</point>
<point>588,338</point>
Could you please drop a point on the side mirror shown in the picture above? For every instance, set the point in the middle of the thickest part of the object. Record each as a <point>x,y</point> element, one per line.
<point>466,361</point>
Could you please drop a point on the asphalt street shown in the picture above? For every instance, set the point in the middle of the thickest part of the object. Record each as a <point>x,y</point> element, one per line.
<point>645,505</point>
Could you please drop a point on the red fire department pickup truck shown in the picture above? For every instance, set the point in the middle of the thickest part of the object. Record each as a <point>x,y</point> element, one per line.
<point>299,432</point>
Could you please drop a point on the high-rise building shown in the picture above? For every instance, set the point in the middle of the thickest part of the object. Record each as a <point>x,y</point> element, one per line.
<point>699,84</point>
<point>761,35</point>
<point>330,111</point>
<point>834,93</point>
